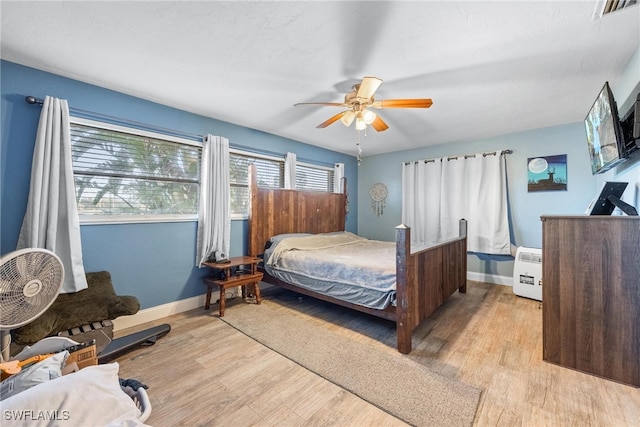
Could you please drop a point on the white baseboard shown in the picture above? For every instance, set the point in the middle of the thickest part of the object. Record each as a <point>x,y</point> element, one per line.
<point>490,278</point>
<point>158,312</point>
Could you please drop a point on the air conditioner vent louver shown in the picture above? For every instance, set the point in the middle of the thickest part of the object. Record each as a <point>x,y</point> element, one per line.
<point>527,273</point>
<point>605,7</point>
<point>534,257</point>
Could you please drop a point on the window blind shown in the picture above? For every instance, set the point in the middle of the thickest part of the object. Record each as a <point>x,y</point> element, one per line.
<point>313,178</point>
<point>121,173</point>
<point>270,173</point>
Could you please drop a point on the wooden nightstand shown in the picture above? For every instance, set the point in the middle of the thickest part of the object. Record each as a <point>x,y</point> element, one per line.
<point>246,274</point>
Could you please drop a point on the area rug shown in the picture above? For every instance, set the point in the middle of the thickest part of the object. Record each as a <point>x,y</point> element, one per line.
<point>386,379</point>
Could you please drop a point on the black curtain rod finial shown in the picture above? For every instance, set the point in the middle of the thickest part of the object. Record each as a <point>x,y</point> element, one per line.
<point>32,100</point>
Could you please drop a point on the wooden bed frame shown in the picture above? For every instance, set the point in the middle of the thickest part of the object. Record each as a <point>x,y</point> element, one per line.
<point>424,280</point>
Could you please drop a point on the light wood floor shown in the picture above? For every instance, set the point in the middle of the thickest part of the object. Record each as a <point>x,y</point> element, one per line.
<point>206,373</point>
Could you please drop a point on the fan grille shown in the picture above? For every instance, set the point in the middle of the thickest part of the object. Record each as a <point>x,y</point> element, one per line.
<point>29,283</point>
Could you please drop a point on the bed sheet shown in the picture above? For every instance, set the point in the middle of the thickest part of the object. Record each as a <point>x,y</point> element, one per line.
<point>342,265</point>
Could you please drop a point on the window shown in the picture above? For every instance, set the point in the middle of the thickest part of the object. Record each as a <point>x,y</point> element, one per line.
<point>313,178</point>
<point>270,171</point>
<point>124,175</point>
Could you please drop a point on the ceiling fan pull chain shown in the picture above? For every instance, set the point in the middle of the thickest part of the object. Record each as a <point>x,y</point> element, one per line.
<point>359,150</point>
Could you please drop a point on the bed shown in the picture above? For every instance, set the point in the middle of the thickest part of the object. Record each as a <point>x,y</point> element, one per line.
<point>424,279</point>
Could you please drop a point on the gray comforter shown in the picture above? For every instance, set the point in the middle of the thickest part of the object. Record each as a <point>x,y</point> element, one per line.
<point>342,265</point>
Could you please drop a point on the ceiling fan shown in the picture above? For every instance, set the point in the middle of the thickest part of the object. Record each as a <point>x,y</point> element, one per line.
<point>360,99</point>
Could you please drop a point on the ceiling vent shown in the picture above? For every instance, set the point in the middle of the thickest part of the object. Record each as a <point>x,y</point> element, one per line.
<point>605,7</point>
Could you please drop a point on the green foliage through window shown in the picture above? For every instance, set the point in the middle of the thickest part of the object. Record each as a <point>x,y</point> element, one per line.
<point>121,173</point>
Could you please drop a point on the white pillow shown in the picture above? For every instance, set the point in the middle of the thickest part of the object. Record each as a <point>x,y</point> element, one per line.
<point>40,372</point>
<point>91,396</point>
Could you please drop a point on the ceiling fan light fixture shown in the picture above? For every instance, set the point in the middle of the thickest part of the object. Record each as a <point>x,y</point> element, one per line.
<point>347,118</point>
<point>357,104</point>
<point>368,116</point>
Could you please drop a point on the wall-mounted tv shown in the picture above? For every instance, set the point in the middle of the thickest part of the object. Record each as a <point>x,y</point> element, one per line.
<point>630,124</point>
<point>604,133</point>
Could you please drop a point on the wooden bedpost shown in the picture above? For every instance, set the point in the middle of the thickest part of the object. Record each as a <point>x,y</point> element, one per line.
<point>404,325</point>
<point>462,232</point>
<point>346,200</point>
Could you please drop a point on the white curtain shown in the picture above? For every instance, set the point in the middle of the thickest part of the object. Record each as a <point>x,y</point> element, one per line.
<point>454,200</point>
<point>421,200</point>
<point>51,220</point>
<point>338,175</point>
<point>214,217</point>
<point>471,187</point>
<point>290,171</point>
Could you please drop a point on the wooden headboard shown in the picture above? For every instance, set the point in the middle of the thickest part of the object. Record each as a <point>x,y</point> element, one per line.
<point>275,211</point>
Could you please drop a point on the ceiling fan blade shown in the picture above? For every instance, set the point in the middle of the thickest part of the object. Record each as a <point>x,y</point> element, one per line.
<point>379,124</point>
<point>331,120</point>
<point>330,104</point>
<point>368,87</point>
<point>403,103</point>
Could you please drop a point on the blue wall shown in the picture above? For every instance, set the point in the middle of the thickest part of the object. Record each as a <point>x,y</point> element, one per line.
<point>526,208</point>
<point>154,261</point>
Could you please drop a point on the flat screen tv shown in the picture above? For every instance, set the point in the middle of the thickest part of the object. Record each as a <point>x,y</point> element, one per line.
<point>604,133</point>
<point>630,124</point>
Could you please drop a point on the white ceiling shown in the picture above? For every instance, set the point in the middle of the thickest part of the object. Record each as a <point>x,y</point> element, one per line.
<point>490,67</point>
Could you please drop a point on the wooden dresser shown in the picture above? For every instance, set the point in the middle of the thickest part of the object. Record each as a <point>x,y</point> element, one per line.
<point>591,295</point>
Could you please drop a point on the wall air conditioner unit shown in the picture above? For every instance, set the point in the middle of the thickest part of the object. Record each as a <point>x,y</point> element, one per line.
<point>527,273</point>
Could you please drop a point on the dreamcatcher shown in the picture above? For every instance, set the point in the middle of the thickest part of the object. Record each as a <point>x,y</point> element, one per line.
<point>378,194</point>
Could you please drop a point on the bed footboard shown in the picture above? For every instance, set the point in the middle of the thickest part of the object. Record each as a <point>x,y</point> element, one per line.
<point>425,279</point>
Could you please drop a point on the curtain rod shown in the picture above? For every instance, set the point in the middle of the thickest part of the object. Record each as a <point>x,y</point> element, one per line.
<point>277,154</point>
<point>118,120</point>
<point>466,156</point>
<point>87,114</point>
